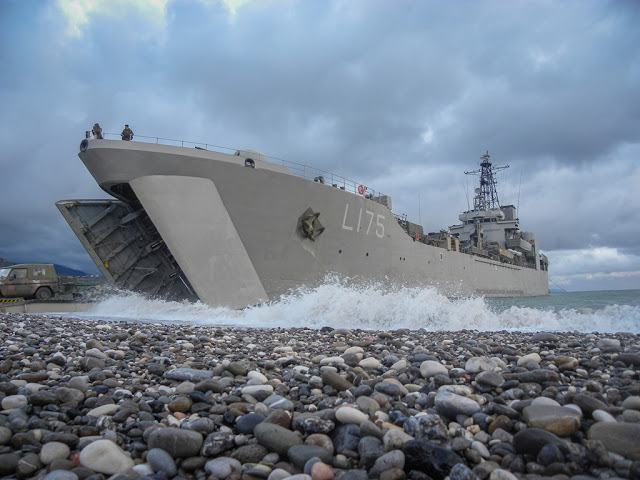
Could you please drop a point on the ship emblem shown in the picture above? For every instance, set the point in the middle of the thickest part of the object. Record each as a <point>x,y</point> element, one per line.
<point>311,226</point>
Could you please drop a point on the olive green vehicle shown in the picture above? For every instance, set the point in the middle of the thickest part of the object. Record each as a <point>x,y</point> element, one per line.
<point>41,281</point>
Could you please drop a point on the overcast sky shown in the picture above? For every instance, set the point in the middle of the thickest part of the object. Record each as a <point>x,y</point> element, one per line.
<point>401,95</point>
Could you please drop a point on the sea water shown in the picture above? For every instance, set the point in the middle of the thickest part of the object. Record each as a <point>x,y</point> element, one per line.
<point>338,305</point>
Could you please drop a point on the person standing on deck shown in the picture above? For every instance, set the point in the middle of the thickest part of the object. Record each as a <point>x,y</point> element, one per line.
<point>127,133</point>
<point>97,131</point>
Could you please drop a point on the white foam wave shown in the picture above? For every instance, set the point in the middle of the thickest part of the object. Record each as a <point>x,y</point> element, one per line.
<point>339,305</point>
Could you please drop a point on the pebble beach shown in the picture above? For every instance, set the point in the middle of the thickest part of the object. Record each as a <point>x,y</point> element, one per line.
<point>90,399</point>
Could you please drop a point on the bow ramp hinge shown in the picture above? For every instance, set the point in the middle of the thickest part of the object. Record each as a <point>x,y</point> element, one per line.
<point>311,226</point>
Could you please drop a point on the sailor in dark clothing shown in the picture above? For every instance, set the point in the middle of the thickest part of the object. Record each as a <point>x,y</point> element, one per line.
<point>97,131</point>
<point>127,133</point>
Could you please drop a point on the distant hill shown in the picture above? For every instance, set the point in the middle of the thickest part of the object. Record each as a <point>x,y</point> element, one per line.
<point>60,269</point>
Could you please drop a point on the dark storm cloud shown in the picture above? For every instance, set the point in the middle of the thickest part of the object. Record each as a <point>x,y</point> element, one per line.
<point>400,96</point>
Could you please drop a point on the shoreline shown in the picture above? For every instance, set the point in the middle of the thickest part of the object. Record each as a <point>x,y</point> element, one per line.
<point>265,402</point>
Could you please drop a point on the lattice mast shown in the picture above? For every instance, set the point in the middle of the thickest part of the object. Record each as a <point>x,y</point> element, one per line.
<point>486,197</point>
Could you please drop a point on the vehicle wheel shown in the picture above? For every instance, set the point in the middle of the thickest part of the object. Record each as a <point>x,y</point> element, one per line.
<point>44,293</point>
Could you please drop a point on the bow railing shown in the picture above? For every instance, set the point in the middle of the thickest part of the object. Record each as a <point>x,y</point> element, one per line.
<point>299,169</point>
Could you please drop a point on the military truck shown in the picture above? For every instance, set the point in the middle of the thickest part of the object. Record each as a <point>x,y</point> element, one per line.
<point>41,281</point>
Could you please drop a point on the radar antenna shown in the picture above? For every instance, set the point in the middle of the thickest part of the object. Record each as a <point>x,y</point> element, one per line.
<point>486,197</point>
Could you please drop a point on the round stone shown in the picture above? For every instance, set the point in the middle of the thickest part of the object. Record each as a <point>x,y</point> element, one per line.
<point>350,415</point>
<point>430,368</point>
<point>451,405</point>
<point>276,438</point>
<point>104,456</point>
<point>60,475</point>
<point>53,451</point>
<point>161,461</point>
<point>14,401</point>
<point>531,357</point>
<point>222,467</point>
<point>369,363</point>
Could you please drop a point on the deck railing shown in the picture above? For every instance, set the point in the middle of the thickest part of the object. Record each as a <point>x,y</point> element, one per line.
<point>299,169</point>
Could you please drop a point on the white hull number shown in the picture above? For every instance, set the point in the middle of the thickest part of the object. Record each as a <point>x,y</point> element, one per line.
<point>367,222</point>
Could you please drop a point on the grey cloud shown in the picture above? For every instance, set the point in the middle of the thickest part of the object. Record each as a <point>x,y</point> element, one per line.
<point>350,87</point>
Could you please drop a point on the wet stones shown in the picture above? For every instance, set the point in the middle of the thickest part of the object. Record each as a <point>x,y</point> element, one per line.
<point>531,440</point>
<point>558,420</point>
<point>276,438</point>
<point>161,461</point>
<point>450,405</point>
<point>621,438</point>
<point>187,401</point>
<point>432,459</point>
<point>336,381</point>
<point>176,441</point>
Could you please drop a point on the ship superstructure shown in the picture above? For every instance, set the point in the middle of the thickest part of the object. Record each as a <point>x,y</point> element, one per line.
<point>493,230</point>
<point>240,228</point>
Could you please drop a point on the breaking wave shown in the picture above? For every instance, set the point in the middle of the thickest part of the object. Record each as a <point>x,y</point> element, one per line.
<point>338,305</point>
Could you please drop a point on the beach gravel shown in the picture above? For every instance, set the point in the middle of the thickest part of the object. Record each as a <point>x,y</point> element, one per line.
<point>90,400</point>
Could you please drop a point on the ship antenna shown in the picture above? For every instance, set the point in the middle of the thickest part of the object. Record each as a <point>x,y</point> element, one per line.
<point>519,186</point>
<point>465,187</point>
<point>486,197</point>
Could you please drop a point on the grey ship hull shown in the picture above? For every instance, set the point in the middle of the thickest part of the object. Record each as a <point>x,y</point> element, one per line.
<point>235,231</point>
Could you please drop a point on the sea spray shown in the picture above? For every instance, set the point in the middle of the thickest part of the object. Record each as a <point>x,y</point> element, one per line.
<point>340,305</point>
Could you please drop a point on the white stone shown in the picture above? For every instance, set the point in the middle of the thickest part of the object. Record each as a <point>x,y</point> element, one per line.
<point>463,390</point>
<point>104,456</point>
<point>350,415</point>
<point>53,451</point>
<point>354,350</point>
<point>602,416</point>
<point>257,376</point>
<point>545,401</point>
<point>500,474</point>
<point>531,357</point>
<point>481,449</point>
<point>574,407</point>
<point>94,352</point>
<point>253,389</point>
<point>222,467</point>
<point>399,365</point>
<point>14,401</point>
<point>369,362</point>
<point>109,409</point>
<point>143,469</point>
<point>79,383</point>
<point>429,368</point>
<point>330,360</point>
<point>480,364</point>
<point>283,349</point>
<point>394,438</point>
<point>185,387</point>
<point>279,474</point>
<point>33,387</point>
